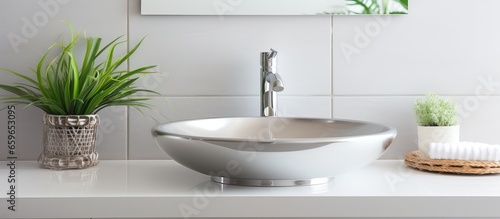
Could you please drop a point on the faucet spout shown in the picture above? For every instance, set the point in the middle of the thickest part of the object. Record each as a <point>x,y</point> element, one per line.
<point>275,82</point>
<point>271,83</point>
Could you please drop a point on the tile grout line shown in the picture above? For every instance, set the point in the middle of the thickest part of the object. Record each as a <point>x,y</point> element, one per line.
<point>127,111</point>
<point>331,66</point>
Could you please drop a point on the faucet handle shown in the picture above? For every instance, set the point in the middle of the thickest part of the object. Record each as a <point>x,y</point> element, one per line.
<point>272,54</point>
<point>269,60</point>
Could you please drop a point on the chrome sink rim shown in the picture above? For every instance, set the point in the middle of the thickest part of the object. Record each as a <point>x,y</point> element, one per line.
<point>271,182</point>
<point>292,152</point>
<point>157,132</point>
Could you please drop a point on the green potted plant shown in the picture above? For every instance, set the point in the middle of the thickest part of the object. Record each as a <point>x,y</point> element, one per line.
<point>436,119</point>
<point>71,91</point>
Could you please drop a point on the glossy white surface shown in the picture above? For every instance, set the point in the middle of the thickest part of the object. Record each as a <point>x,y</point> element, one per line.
<point>164,188</point>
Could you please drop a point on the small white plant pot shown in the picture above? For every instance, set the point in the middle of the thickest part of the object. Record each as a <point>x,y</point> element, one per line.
<point>437,134</point>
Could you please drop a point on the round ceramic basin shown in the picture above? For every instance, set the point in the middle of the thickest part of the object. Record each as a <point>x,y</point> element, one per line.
<point>273,151</point>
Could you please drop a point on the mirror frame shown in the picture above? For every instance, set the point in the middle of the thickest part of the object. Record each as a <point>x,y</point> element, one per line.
<point>273,7</point>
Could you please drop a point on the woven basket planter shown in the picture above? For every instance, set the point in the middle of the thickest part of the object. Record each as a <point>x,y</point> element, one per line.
<point>69,141</point>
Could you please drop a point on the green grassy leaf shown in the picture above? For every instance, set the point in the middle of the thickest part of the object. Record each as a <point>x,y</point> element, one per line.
<point>63,85</point>
<point>403,3</point>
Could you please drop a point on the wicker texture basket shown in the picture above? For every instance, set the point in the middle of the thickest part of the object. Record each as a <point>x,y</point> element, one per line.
<point>413,159</point>
<point>69,141</point>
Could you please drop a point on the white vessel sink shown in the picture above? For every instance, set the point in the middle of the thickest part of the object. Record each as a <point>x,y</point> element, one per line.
<point>273,151</point>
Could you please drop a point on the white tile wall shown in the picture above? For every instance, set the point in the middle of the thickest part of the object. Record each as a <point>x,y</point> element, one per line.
<point>357,67</point>
<point>35,25</point>
<point>393,111</point>
<point>442,46</point>
<point>211,55</point>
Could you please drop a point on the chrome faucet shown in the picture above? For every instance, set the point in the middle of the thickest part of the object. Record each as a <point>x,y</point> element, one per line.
<point>270,84</point>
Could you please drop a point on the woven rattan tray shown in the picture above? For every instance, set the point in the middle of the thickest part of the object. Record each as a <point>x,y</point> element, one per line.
<point>413,159</point>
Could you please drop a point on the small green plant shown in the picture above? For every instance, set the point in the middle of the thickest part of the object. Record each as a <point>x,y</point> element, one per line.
<point>67,86</point>
<point>433,110</point>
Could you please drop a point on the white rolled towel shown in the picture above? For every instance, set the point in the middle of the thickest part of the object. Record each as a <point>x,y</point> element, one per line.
<point>464,151</point>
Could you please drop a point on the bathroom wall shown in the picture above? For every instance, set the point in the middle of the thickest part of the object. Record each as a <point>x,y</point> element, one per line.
<point>355,67</point>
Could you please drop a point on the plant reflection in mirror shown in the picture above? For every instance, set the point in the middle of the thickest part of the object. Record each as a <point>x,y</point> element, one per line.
<point>354,7</point>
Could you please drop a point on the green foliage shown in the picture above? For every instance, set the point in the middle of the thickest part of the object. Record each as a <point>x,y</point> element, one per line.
<point>377,6</point>
<point>403,3</point>
<point>433,110</point>
<point>65,86</point>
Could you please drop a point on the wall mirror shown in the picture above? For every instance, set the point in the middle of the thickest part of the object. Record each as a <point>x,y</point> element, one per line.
<point>273,7</point>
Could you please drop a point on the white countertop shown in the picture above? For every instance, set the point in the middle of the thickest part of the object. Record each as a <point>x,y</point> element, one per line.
<point>167,189</point>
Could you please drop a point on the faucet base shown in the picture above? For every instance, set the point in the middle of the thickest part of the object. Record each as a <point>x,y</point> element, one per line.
<point>270,182</point>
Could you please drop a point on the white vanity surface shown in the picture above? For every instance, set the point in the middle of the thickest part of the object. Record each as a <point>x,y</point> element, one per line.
<point>163,189</point>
